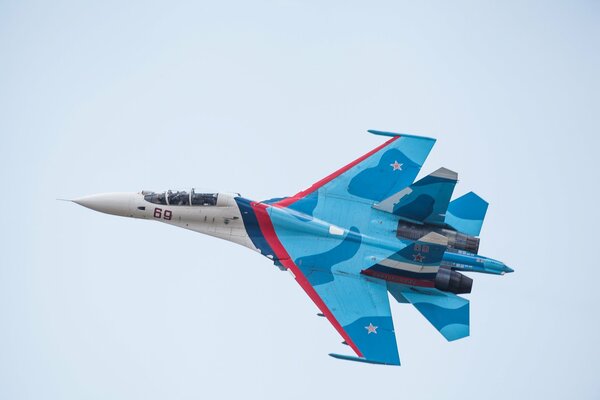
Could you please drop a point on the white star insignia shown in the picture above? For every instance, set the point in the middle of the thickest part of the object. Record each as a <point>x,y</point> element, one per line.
<point>396,166</point>
<point>371,329</point>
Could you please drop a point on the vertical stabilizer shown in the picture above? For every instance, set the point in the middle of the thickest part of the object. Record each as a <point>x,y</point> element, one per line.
<point>425,201</point>
<point>466,214</point>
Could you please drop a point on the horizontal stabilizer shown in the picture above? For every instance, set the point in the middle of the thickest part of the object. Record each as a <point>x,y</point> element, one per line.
<point>447,312</point>
<point>395,290</point>
<point>425,201</point>
<point>466,214</point>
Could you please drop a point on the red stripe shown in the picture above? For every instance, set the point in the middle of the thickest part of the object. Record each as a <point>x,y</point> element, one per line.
<point>267,229</point>
<point>399,279</point>
<point>289,200</point>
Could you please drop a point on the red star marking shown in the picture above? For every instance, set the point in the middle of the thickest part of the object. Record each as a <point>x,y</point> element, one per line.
<point>418,257</point>
<point>371,329</point>
<point>396,166</point>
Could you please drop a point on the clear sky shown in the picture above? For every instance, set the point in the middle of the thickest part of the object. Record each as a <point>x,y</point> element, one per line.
<point>265,98</point>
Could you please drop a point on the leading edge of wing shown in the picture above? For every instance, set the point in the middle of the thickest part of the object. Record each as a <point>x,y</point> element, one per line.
<point>281,255</point>
<point>393,164</point>
<point>356,305</point>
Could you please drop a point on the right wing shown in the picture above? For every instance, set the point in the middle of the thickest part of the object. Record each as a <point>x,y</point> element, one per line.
<point>356,305</point>
<point>360,307</point>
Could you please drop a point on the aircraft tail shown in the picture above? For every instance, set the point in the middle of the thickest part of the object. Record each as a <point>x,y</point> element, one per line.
<point>466,214</point>
<point>425,201</point>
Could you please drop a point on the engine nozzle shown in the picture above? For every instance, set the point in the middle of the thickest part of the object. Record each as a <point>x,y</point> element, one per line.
<point>452,281</point>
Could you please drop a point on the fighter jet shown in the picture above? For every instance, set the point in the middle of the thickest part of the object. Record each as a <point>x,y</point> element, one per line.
<point>363,231</point>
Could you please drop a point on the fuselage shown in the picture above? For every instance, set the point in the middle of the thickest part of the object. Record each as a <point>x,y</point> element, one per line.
<point>232,217</point>
<point>214,214</point>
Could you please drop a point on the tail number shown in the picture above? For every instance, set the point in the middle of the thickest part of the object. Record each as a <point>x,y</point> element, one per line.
<point>166,214</point>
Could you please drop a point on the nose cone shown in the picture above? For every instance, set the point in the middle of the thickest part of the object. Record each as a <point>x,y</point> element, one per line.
<point>496,267</point>
<point>110,203</point>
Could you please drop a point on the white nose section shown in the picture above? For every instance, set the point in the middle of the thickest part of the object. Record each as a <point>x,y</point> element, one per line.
<point>109,203</point>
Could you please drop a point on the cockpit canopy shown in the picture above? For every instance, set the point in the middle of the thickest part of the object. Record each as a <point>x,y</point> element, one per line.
<point>181,198</point>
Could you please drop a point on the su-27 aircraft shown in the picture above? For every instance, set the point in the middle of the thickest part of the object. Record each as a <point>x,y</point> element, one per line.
<point>349,239</point>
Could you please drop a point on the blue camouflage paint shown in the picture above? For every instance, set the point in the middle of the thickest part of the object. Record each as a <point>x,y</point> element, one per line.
<point>418,209</point>
<point>428,199</point>
<point>306,205</point>
<point>384,333</point>
<point>447,312</point>
<point>333,232</point>
<point>363,184</point>
<point>466,214</point>
<point>317,267</point>
<point>304,230</point>
<point>440,317</point>
<point>273,200</point>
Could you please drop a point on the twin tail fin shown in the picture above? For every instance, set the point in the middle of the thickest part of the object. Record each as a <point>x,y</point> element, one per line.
<point>425,201</point>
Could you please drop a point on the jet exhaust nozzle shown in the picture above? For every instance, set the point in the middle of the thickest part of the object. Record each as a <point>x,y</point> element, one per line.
<point>452,281</point>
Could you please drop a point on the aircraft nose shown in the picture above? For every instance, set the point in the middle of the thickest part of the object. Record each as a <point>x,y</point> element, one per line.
<point>109,203</point>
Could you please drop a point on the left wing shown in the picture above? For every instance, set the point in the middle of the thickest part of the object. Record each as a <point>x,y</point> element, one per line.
<point>371,178</point>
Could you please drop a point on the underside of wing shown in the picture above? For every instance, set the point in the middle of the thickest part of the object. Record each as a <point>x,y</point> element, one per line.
<point>356,305</point>
<point>360,304</point>
<point>371,178</point>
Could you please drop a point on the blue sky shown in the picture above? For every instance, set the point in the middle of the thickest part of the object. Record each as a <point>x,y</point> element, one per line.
<point>265,98</point>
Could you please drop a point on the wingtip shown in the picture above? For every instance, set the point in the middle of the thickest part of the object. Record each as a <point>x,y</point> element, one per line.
<point>396,134</point>
<point>360,359</point>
